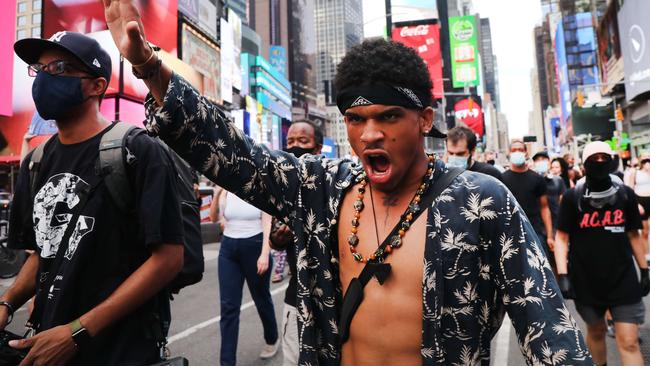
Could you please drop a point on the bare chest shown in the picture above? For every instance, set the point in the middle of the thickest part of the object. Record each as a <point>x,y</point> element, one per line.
<point>394,308</point>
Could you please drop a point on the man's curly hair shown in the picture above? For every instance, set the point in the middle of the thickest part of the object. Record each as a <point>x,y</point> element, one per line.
<point>378,60</point>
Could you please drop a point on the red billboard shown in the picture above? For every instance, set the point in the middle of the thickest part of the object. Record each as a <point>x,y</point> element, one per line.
<point>424,38</point>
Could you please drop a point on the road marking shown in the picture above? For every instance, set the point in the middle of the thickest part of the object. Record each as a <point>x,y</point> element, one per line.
<point>502,347</point>
<point>191,330</point>
<point>209,255</point>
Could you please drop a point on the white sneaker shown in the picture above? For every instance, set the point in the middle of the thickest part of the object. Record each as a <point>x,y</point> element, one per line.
<point>269,350</point>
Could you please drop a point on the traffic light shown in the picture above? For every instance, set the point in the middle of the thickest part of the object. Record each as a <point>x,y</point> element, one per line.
<point>580,98</point>
<point>619,114</point>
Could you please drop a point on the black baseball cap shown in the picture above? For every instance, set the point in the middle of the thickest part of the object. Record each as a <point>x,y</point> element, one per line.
<point>541,154</point>
<point>85,49</point>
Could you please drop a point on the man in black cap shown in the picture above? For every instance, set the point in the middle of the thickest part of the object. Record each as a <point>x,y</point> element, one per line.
<point>400,261</point>
<point>96,280</point>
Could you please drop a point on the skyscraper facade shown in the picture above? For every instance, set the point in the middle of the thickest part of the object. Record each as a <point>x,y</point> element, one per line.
<point>489,67</point>
<point>339,26</point>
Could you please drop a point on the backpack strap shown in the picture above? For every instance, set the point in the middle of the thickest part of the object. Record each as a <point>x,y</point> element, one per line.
<point>111,164</point>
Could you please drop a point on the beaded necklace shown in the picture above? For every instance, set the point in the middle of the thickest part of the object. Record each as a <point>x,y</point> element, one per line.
<point>405,220</point>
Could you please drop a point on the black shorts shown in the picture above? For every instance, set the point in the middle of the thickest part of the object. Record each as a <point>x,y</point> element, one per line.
<point>645,202</point>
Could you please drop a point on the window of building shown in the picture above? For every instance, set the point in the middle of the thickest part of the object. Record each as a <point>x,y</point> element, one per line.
<point>22,21</point>
<point>36,32</point>
<point>36,18</point>
<point>21,34</point>
<point>36,5</point>
<point>22,7</point>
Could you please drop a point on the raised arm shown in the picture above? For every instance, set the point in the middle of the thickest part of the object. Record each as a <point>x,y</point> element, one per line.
<point>198,130</point>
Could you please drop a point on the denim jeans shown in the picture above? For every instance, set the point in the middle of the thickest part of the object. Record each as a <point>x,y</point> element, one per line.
<point>238,262</point>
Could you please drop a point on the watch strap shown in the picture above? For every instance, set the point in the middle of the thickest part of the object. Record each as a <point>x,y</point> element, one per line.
<point>80,334</point>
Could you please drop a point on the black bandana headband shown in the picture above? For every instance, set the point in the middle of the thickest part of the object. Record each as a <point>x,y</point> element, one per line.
<point>378,93</point>
<point>385,94</point>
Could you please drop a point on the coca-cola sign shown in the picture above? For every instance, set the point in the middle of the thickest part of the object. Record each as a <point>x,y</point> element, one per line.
<point>420,30</point>
<point>425,39</point>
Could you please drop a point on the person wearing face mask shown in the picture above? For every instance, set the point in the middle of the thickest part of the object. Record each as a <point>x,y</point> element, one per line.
<point>97,273</point>
<point>601,221</point>
<point>490,157</point>
<point>529,188</point>
<point>303,138</point>
<point>461,144</point>
<point>555,187</point>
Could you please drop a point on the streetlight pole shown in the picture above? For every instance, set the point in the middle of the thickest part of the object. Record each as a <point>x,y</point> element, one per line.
<point>389,20</point>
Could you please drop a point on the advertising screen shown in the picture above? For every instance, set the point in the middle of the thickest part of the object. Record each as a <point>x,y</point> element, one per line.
<point>609,49</point>
<point>86,16</point>
<point>227,61</point>
<point>410,10</point>
<point>278,59</point>
<point>463,35</point>
<point>562,70</point>
<point>204,57</point>
<point>235,22</point>
<point>469,112</point>
<point>634,30</point>
<point>8,29</point>
<point>425,38</point>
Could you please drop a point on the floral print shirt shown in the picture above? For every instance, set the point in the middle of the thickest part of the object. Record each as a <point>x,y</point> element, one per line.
<point>481,259</point>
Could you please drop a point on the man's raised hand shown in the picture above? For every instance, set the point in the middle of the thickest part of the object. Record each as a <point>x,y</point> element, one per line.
<point>123,19</point>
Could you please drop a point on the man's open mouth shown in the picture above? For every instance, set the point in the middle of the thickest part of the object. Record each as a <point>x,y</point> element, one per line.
<point>378,166</point>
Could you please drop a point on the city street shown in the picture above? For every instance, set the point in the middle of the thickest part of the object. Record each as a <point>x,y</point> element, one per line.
<point>195,327</point>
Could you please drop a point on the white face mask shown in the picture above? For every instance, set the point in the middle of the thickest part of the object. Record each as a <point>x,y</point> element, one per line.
<point>518,158</point>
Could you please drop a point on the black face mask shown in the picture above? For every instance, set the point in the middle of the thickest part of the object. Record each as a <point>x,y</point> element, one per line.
<point>598,179</point>
<point>55,96</point>
<point>298,151</point>
<point>491,161</point>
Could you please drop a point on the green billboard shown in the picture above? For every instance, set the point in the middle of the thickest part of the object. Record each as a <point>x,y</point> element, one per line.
<point>463,41</point>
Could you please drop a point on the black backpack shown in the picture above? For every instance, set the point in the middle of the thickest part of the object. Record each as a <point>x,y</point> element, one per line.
<point>113,152</point>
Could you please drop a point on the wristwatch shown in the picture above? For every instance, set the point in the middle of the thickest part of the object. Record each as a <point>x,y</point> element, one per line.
<point>80,335</point>
<point>11,310</point>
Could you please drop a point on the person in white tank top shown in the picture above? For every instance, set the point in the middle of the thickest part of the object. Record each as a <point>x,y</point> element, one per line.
<point>639,180</point>
<point>244,255</point>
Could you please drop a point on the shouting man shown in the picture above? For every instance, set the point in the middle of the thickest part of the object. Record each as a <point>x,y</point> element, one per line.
<point>445,279</point>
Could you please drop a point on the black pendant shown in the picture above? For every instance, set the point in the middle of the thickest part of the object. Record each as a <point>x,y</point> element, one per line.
<point>353,240</point>
<point>358,205</point>
<point>396,241</point>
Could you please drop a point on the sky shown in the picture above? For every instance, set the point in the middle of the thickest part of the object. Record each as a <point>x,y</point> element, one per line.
<point>512,23</point>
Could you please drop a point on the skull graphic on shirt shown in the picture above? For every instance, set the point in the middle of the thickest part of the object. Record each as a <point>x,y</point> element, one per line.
<point>52,213</point>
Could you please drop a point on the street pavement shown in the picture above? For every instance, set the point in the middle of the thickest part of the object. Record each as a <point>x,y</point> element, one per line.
<point>195,326</point>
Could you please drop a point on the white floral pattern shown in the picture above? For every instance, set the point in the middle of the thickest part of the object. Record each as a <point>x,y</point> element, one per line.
<point>481,256</point>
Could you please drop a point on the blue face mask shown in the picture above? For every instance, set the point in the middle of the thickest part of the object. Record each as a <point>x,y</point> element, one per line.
<point>56,95</point>
<point>517,158</point>
<point>457,161</point>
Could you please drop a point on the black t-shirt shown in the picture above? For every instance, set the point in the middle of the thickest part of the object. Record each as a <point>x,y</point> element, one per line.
<point>488,169</point>
<point>106,247</point>
<point>528,187</point>
<point>554,189</point>
<point>601,265</point>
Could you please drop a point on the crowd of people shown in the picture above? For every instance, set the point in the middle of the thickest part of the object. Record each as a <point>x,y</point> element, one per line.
<point>423,275</point>
<point>592,222</point>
